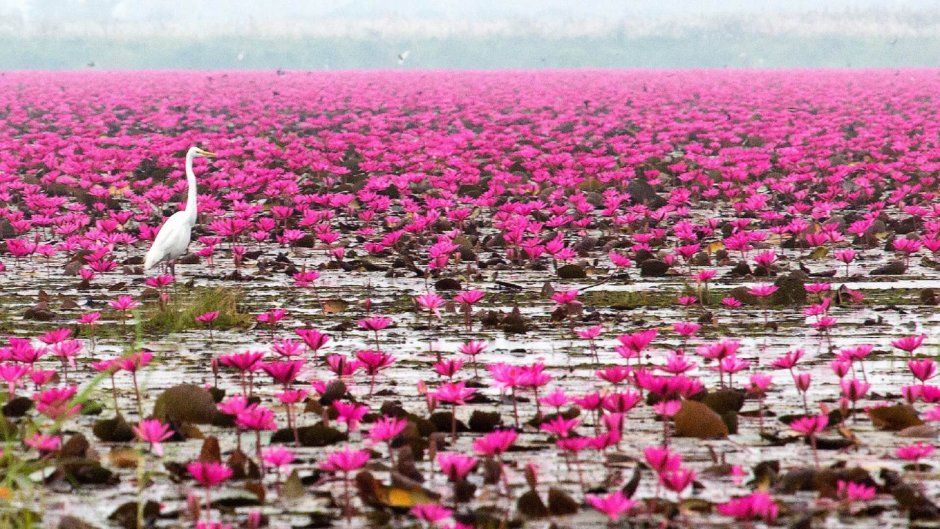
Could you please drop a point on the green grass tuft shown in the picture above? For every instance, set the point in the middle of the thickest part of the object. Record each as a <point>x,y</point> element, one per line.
<point>180,314</point>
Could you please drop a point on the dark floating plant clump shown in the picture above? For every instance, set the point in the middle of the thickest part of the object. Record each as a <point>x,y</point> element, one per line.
<point>663,299</point>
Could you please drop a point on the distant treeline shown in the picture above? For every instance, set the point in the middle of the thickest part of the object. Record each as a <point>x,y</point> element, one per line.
<point>712,49</point>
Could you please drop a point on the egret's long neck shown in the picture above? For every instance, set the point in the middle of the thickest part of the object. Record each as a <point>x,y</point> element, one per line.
<point>191,185</point>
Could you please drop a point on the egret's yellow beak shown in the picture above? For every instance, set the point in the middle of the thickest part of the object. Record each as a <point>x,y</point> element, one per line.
<point>208,154</point>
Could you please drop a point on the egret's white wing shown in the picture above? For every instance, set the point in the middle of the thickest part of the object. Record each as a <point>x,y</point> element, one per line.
<point>171,241</point>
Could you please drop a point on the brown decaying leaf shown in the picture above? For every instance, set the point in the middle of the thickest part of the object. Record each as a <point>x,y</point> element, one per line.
<point>292,487</point>
<point>894,418</point>
<point>123,457</point>
<point>210,451</point>
<point>560,503</point>
<point>257,489</point>
<point>334,306</point>
<point>698,420</point>
<point>376,494</point>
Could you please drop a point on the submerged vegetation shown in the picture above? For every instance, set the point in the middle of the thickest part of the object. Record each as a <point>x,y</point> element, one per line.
<point>189,303</point>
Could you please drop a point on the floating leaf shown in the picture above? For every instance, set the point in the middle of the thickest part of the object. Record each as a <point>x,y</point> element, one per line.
<point>123,457</point>
<point>560,503</point>
<point>71,522</point>
<point>334,306</point>
<point>190,431</point>
<point>245,497</point>
<point>630,488</point>
<point>714,247</point>
<point>210,451</point>
<point>17,407</point>
<point>724,400</point>
<point>909,497</point>
<point>185,403</point>
<point>818,253</point>
<point>924,431</point>
<point>377,494</point>
<point>257,489</point>
<point>695,505</point>
<point>126,515</point>
<point>571,271</point>
<point>765,474</point>
<point>292,488</point>
<point>531,506</point>
<point>894,418</point>
<point>698,420</point>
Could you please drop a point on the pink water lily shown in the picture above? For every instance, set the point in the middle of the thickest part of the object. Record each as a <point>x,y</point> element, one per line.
<point>154,432</point>
<point>606,238</point>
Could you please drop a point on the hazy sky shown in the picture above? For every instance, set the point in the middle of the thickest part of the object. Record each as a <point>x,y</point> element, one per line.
<point>439,33</point>
<point>242,14</point>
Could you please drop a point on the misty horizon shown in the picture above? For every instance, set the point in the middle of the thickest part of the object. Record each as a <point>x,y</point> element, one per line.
<point>118,34</point>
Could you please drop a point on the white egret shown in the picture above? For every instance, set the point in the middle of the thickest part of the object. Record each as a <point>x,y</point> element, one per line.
<point>173,238</point>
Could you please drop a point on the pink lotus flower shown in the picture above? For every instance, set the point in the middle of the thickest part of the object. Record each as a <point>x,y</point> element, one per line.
<point>469,297</point>
<point>590,333</point>
<point>209,475</point>
<point>923,369</point>
<point>55,403</point>
<point>287,348</point>
<point>284,372</point>
<point>677,480</point>
<point>566,297</point>
<point>431,303</point>
<point>914,452</point>
<point>494,443</point>
<point>255,417</point>
<point>637,342</point>
<point>757,506</point>
<point>809,426</point>
<point>375,323</point>
<point>620,261</point>
<point>763,290</point>
<point>614,505</point>
<point>245,362</point>
<point>123,303</point>
<point>731,302</point>
<point>345,460</point>
<point>453,392</point>
<point>431,513</point>
<point>472,349</point>
<point>208,317</point>
<point>386,429</point>
<point>559,426</point>
<point>271,317</point>
<point>277,456</point>
<point>134,362</point>
<point>89,318</point>
<point>849,491</point>
<point>154,432</point>
<point>350,414</point>
<point>12,374</point>
<point>313,338</point>
<point>455,466</point>
<point>909,343</point>
<point>42,443</point>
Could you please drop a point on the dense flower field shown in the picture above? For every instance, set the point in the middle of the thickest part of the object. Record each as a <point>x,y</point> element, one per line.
<point>462,299</point>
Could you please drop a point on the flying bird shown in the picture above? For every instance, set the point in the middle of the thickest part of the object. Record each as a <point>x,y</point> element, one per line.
<point>173,238</point>
<point>403,56</point>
